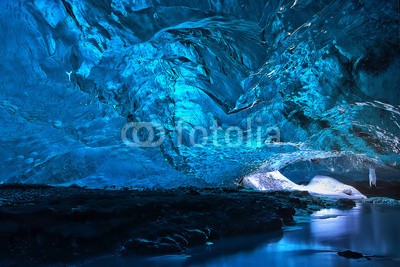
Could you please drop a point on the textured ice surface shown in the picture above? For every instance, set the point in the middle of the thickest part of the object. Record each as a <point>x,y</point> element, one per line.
<point>73,73</point>
<point>327,186</point>
<point>269,181</point>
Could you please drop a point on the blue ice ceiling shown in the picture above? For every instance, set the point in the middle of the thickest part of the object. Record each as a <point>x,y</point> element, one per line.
<point>74,72</point>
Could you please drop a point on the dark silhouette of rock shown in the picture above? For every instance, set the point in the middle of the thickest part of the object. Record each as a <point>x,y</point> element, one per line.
<point>286,213</point>
<point>348,254</point>
<point>345,203</point>
<point>52,224</point>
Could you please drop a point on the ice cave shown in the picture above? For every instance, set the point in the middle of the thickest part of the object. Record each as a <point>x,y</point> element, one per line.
<point>200,132</point>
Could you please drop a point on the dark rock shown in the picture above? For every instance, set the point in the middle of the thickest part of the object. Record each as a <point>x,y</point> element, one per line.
<point>139,246</point>
<point>345,203</point>
<point>348,254</point>
<point>71,223</point>
<point>214,234</point>
<point>286,213</point>
<point>234,212</point>
<point>168,240</point>
<point>181,240</point>
<point>297,202</point>
<point>167,248</point>
<point>193,192</point>
<point>143,246</point>
<point>274,225</point>
<point>196,237</point>
<point>348,192</point>
<point>305,193</point>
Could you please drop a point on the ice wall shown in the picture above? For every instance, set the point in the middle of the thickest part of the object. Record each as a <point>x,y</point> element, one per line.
<point>325,74</point>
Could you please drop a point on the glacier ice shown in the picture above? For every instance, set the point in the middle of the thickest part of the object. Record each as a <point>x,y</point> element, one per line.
<point>73,73</point>
<point>327,186</point>
<point>319,185</point>
<point>269,181</point>
<point>372,177</point>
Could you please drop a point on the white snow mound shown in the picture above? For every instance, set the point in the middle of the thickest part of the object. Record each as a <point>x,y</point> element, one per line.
<point>319,185</point>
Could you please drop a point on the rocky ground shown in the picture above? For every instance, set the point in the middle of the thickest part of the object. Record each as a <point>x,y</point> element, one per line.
<point>53,224</point>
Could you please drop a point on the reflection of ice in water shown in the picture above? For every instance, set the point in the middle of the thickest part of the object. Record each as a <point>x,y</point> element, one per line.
<point>327,213</point>
<point>368,229</point>
<point>334,224</point>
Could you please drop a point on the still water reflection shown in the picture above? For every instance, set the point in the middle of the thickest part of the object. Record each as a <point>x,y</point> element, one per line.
<point>370,229</point>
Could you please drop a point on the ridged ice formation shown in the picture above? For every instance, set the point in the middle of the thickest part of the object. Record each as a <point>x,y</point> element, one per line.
<point>326,74</point>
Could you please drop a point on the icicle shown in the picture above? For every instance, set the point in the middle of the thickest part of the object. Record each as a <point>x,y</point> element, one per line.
<point>372,177</point>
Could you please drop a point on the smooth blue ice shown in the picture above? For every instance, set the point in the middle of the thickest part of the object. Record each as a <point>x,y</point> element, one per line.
<point>326,74</point>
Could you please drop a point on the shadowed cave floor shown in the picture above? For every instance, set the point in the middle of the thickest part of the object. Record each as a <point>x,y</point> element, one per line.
<point>42,224</point>
<point>390,189</point>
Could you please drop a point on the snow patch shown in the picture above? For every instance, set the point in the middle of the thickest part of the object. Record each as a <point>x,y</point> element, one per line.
<point>319,185</point>
<point>269,181</point>
<point>328,186</point>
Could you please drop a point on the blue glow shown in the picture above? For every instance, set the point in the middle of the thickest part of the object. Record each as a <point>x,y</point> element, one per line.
<point>73,73</point>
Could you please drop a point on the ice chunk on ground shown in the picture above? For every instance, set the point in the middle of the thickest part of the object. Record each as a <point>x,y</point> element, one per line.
<point>269,181</point>
<point>319,185</point>
<point>328,186</point>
